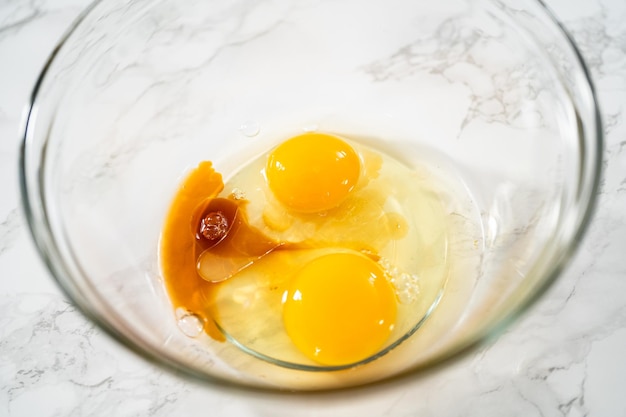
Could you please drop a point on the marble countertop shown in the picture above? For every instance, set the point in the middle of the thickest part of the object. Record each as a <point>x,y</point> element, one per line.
<point>565,357</point>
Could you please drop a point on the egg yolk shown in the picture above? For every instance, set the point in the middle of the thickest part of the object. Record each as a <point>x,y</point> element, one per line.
<point>339,308</point>
<point>312,172</point>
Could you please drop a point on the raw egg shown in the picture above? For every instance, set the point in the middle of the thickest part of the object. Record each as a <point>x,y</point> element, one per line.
<point>308,255</point>
<point>339,308</point>
<point>312,172</point>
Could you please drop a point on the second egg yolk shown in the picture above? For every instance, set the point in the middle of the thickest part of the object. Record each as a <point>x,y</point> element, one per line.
<point>312,172</point>
<point>339,309</point>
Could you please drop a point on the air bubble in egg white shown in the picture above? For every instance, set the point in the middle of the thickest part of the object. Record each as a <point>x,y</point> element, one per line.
<point>238,194</point>
<point>405,285</point>
<point>189,323</point>
<point>250,128</point>
<point>310,128</point>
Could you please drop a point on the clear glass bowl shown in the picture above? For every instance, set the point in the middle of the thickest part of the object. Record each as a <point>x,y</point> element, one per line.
<point>492,98</point>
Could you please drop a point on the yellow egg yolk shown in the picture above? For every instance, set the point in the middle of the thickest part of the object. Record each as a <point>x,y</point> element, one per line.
<point>312,172</point>
<point>339,309</point>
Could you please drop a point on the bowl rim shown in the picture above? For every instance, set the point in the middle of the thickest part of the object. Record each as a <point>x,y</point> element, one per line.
<point>36,216</point>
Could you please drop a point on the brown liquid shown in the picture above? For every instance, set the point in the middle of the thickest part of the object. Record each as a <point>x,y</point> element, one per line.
<point>225,242</point>
<point>178,246</point>
<point>205,241</point>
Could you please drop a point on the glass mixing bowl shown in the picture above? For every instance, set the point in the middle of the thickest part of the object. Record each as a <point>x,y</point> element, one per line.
<point>489,100</point>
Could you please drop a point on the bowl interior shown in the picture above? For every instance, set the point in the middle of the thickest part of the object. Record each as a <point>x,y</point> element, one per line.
<point>491,100</point>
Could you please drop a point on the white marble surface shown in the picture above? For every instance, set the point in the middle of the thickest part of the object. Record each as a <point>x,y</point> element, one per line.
<point>566,357</point>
